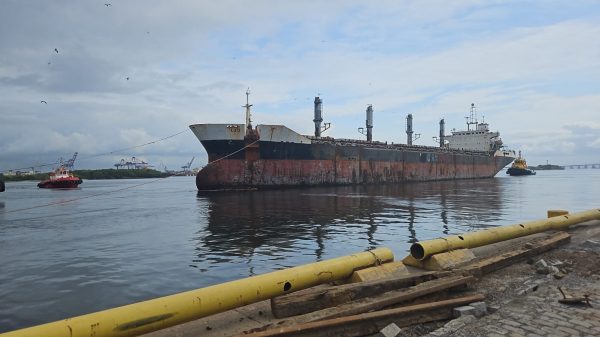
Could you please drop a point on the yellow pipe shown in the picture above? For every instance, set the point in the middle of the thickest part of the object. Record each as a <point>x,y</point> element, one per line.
<point>422,250</point>
<point>138,318</point>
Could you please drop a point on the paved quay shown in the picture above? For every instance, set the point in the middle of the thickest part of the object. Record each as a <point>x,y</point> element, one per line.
<point>525,303</point>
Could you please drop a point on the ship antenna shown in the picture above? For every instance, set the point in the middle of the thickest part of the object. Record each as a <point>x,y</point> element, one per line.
<point>472,118</point>
<point>248,113</point>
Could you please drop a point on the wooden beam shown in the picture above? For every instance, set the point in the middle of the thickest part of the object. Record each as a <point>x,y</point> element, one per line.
<point>530,249</point>
<point>370,323</point>
<point>402,296</point>
<point>313,299</point>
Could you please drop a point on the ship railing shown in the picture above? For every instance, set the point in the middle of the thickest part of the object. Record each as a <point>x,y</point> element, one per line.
<point>392,146</point>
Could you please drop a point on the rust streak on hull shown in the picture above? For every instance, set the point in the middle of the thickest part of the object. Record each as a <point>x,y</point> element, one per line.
<point>240,173</point>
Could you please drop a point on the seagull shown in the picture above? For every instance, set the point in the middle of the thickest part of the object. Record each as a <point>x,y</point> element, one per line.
<point>48,62</point>
<point>107,5</point>
<point>56,50</point>
<point>44,102</point>
<point>127,78</point>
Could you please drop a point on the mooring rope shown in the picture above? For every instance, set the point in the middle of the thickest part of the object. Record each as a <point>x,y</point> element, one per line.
<point>124,188</point>
<point>101,154</point>
<point>84,197</point>
<point>232,153</point>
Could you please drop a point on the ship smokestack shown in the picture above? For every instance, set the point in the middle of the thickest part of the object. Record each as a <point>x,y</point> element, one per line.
<point>409,129</point>
<point>318,116</point>
<point>442,132</point>
<point>369,123</point>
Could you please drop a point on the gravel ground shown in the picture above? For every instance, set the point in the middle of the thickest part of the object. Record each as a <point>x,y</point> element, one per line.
<point>524,302</point>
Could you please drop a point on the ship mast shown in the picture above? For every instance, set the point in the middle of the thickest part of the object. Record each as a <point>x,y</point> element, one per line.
<point>248,113</point>
<point>472,118</point>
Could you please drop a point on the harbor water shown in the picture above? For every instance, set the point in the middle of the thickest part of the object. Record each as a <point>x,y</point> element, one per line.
<point>113,242</point>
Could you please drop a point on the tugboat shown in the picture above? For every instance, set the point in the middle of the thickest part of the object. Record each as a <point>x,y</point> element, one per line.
<point>519,167</point>
<point>61,178</point>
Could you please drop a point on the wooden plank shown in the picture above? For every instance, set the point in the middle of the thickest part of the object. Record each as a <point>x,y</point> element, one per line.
<point>370,323</point>
<point>405,295</point>
<point>530,249</point>
<point>368,327</point>
<point>411,296</point>
<point>313,299</point>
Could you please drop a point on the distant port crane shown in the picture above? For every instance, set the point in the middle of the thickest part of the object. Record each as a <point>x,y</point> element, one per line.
<point>69,163</point>
<point>133,163</point>
<point>187,166</point>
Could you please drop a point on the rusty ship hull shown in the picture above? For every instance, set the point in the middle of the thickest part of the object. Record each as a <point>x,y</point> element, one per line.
<point>277,156</point>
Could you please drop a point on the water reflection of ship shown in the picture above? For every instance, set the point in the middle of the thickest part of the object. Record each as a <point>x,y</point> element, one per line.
<point>283,222</point>
<point>239,223</point>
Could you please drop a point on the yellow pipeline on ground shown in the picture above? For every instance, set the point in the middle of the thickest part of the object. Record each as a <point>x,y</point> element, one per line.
<point>422,250</point>
<point>138,318</point>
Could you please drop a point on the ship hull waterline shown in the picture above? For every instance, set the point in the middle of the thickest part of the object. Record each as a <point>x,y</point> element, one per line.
<point>278,165</point>
<point>60,184</point>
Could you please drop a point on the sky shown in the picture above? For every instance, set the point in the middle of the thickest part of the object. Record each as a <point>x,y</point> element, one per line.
<point>113,75</point>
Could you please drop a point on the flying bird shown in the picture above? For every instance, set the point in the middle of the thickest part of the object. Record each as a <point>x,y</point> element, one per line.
<point>44,102</point>
<point>56,50</point>
<point>127,78</point>
<point>107,5</point>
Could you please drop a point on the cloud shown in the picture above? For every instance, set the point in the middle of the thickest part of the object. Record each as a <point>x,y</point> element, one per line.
<point>191,62</point>
<point>595,144</point>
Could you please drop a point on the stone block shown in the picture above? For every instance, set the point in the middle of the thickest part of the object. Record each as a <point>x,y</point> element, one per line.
<point>391,330</point>
<point>542,267</point>
<point>480,308</point>
<point>493,308</point>
<point>463,311</point>
<point>541,264</point>
<point>592,244</point>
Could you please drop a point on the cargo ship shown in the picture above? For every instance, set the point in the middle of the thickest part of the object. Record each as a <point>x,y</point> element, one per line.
<point>241,156</point>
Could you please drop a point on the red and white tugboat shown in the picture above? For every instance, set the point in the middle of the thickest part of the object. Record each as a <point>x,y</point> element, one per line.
<point>61,178</point>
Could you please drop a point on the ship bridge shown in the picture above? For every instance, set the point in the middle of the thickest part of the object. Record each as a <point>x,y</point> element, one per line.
<point>477,137</point>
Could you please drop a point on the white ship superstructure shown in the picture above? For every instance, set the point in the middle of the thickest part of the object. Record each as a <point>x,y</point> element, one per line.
<point>477,137</point>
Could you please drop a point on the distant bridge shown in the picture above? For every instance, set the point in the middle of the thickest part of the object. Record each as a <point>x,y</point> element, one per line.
<point>583,166</point>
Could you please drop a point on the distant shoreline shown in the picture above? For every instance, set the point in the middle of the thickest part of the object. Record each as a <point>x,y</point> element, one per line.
<point>547,167</point>
<point>96,174</point>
